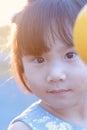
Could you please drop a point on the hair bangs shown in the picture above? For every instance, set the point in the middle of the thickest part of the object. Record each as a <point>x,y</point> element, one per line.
<point>39,19</point>
<point>31,36</point>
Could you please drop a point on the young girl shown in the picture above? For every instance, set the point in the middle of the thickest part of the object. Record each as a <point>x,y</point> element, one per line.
<point>45,63</point>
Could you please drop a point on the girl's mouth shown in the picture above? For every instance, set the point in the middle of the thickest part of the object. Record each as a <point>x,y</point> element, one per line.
<point>59,92</point>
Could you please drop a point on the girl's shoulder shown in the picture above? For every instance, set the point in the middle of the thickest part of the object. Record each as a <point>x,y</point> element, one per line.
<point>18,125</point>
<point>36,117</point>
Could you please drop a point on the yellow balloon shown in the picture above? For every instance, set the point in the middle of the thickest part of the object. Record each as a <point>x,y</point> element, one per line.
<point>80,34</point>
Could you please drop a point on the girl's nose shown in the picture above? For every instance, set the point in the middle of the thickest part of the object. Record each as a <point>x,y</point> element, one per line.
<point>56,75</point>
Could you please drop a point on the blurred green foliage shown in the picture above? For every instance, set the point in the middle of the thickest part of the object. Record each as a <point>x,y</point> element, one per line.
<point>4,34</point>
<point>4,56</point>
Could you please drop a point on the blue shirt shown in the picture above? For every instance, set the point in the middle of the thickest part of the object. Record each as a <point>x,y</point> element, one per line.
<point>37,118</point>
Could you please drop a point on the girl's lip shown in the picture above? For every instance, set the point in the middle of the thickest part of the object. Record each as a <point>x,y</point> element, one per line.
<point>59,91</point>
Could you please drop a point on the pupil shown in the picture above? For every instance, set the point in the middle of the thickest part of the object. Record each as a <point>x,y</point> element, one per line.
<point>69,55</point>
<point>40,59</point>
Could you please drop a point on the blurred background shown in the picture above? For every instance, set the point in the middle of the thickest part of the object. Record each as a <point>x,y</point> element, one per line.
<point>12,99</point>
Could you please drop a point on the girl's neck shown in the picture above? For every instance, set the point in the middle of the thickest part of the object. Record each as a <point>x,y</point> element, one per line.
<point>76,115</point>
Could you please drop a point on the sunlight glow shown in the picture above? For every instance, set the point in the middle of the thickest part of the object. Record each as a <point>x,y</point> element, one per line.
<point>8,8</point>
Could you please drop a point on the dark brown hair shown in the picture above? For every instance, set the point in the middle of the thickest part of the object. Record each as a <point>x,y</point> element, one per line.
<point>35,23</point>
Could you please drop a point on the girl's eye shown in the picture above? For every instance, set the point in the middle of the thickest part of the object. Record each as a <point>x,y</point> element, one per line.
<point>39,60</point>
<point>70,55</point>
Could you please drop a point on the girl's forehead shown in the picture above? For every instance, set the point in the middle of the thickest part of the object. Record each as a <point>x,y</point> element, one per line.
<point>57,49</point>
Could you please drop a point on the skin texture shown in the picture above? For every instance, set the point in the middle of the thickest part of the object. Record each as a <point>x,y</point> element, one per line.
<point>61,76</point>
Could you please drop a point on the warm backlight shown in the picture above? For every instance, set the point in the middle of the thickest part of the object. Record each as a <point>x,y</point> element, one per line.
<point>8,8</point>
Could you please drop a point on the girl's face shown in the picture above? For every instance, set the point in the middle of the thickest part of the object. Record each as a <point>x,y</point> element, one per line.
<point>58,77</point>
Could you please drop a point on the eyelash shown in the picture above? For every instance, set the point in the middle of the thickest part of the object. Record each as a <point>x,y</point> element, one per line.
<point>70,55</point>
<point>39,60</point>
<point>67,56</point>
